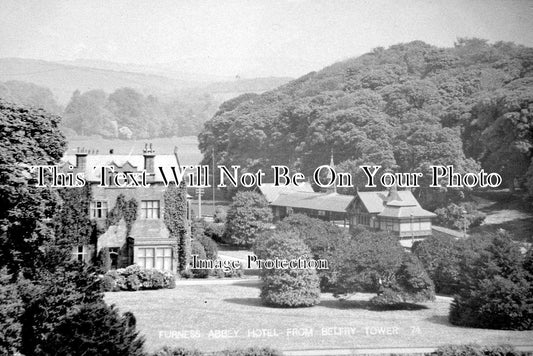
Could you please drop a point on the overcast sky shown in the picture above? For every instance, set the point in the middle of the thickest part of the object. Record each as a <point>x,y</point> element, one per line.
<point>247,37</point>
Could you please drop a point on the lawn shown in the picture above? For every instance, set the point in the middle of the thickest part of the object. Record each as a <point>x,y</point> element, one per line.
<point>218,316</point>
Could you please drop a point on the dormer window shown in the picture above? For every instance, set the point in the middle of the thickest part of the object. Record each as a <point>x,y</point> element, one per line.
<point>150,209</point>
<point>99,209</point>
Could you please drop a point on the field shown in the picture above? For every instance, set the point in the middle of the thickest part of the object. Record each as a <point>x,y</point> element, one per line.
<point>187,146</point>
<point>214,315</point>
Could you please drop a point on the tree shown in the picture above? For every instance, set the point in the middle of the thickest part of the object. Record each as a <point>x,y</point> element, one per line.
<point>10,311</point>
<point>50,297</point>
<point>456,216</point>
<point>287,287</point>
<point>323,238</point>
<point>27,137</point>
<point>495,287</point>
<point>440,257</point>
<point>72,223</point>
<point>376,262</point>
<point>247,216</point>
<point>95,329</point>
<point>176,221</point>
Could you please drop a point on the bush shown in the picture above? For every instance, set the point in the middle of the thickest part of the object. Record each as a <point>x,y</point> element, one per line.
<point>95,329</point>
<point>215,231</point>
<point>495,288</point>
<point>177,351</point>
<point>248,215</point>
<point>375,260</point>
<point>210,246</point>
<point>104,259</point>
<point>109,284</point>
<point>133,283</point>
<point>475,350</point>
<point>251,351</point>
<point>322,237</point>
<point>134,278</point>
<point>287,287</point>
<point>453,216</point>
<point>186,274</point>
<point>220,215</point>
<point>385,300</point>
<point>198,250</point>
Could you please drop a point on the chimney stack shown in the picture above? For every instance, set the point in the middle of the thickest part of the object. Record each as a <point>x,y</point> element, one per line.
<point>149,158</point>
<point>81,159</point>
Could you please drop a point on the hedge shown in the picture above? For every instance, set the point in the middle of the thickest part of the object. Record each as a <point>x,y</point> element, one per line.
<point>134,278</point>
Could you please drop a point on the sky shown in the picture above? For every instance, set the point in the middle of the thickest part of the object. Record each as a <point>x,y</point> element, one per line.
<point>247,38</point>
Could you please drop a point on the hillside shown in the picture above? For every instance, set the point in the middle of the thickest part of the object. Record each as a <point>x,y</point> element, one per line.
<point>63,78</point>
<point>404,108</point>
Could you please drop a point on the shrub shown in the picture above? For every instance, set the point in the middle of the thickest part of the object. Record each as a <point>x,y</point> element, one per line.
<point>371,261</point>
<point>251,351</point>
<point>177,351</point>
<point>210,246</point>
<point>220,215</point>
<point>475,350</point>
<point>95,329</point>
<point>108,283</point>
<point>186,274</point>
<point>385,300</point>
<point>453,216</point>
<point>287,287</point>
<point>104,259</point>
<point>133,282</point>
<point>198,250</point>
<point>216,231</point>
<point>247,216</point>
<point>322,237</point>
<point>135,278</point>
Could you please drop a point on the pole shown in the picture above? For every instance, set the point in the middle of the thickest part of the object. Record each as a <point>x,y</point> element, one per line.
<point>199,203</point>
<point>412,232</point>
<point>214,184</point>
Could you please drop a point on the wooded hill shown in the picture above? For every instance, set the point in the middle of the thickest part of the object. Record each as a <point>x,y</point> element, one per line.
<point>405,108</point>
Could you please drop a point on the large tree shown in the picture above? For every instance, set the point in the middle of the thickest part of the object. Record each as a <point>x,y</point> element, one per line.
<point>248,215</point>
<point>28,137</point>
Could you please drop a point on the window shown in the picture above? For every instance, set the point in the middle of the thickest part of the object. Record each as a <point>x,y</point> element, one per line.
<point>79,253</point>
<point>160,258</point>
<point>163,258</point>
<point>150,209</point>
<point>99,209</point>
<point>321,213</point>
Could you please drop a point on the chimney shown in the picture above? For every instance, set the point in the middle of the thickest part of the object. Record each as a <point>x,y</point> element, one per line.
<point>81,158</point>
<point>149,158</point>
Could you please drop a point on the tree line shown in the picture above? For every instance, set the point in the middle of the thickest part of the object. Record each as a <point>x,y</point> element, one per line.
<point>404,108</point>
<point>125,113</point>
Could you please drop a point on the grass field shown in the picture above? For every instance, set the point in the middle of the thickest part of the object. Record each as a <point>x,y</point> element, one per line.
<point>218,316</point>
<point>187,146</point>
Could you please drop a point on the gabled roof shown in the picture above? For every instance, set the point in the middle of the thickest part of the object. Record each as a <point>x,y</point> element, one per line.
<point>373,201</point>
<point>271,192</point>
<point>123,163</point>
<point>402,211</point>
<point>314,201</point>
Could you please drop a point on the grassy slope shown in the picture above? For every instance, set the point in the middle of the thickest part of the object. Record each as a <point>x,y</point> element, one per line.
<point>216,306</point>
